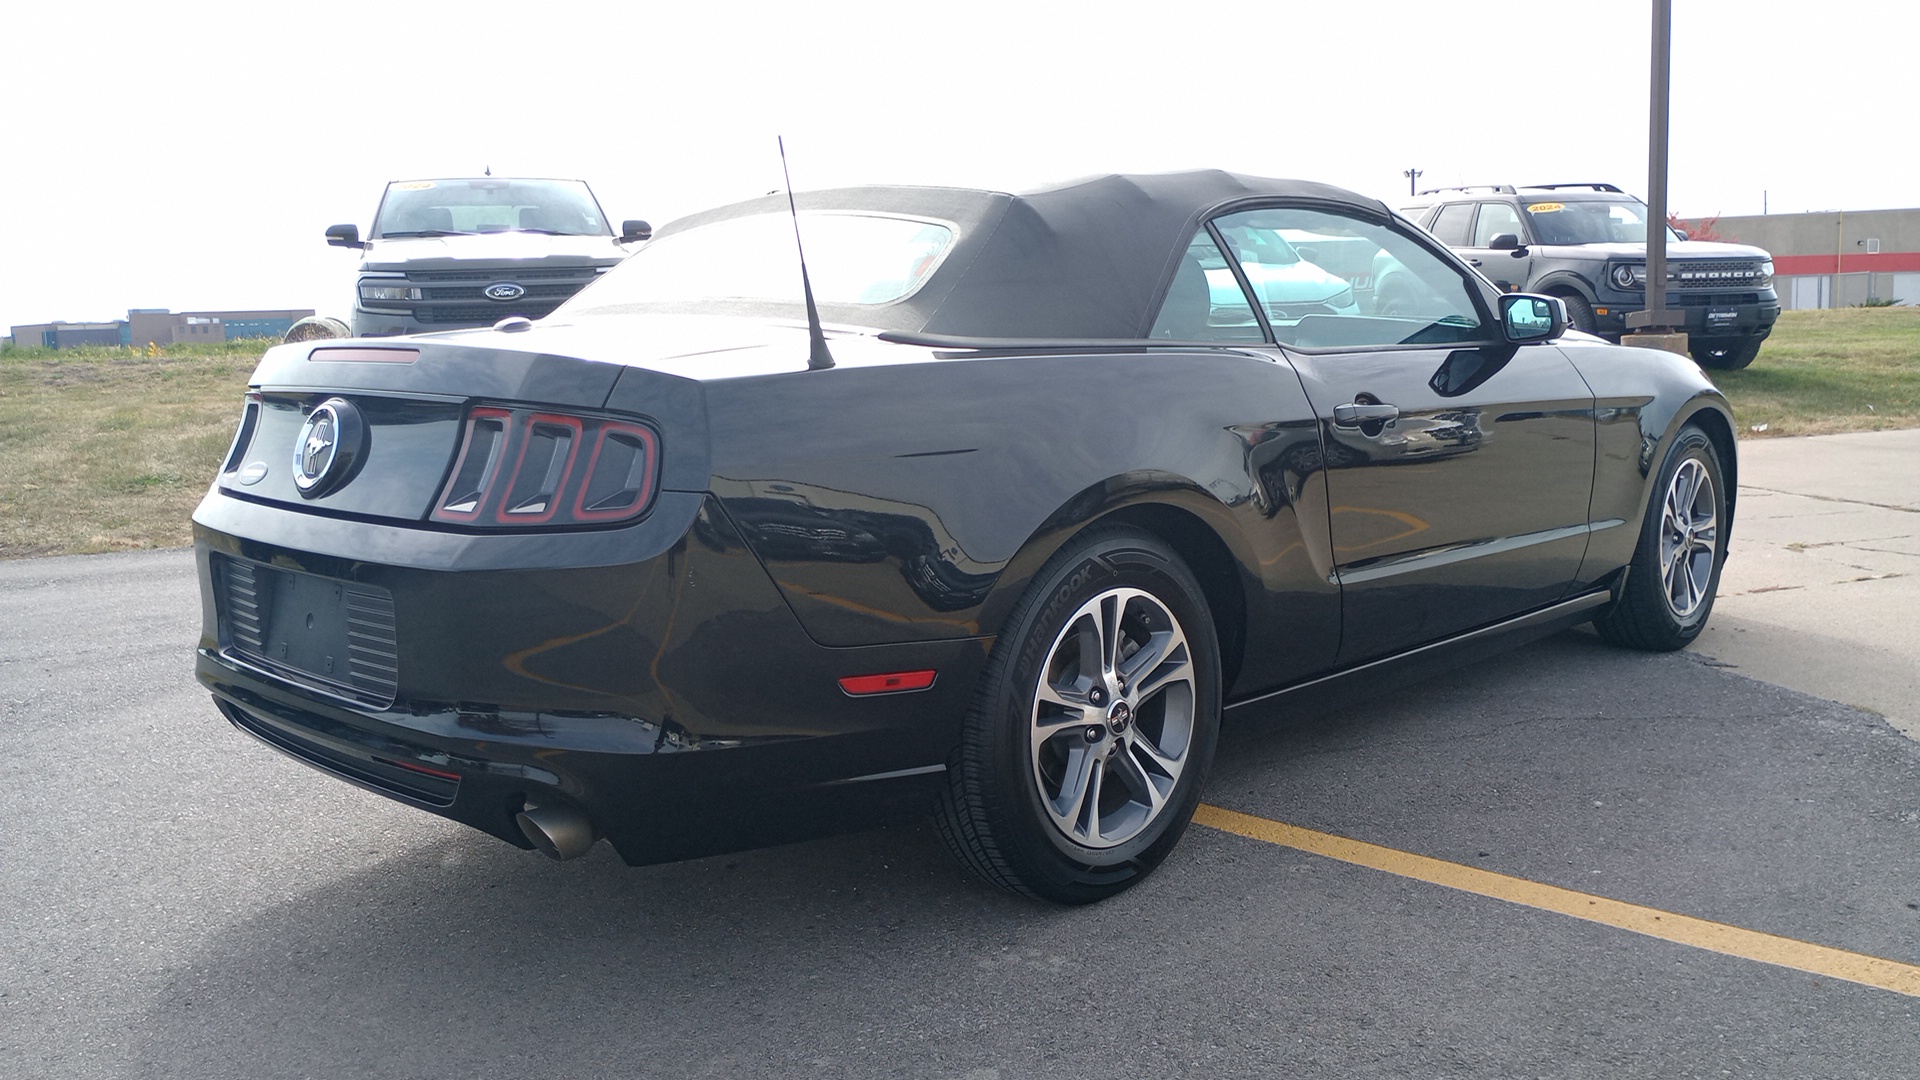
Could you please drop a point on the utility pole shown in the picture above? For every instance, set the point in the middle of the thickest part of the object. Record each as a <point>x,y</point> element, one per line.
<point>1657,319</point>
<point>1413,176</point>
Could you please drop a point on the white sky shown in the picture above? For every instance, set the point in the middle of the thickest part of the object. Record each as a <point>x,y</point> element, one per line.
<point>189,155</point>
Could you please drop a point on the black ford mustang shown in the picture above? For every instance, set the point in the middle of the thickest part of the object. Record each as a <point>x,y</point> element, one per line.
<point>1066,474</point>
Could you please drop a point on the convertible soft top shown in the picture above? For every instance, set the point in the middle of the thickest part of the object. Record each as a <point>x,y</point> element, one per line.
<point>1090,258</point>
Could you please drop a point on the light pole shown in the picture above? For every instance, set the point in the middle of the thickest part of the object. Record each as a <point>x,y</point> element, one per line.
<point>1413,176</point>
<point>1656,318</point>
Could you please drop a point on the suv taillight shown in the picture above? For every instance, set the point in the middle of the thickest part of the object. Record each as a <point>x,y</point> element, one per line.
<point>525,467</point>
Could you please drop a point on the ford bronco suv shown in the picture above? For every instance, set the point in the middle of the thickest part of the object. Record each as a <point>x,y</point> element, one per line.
<point>1587,244</point>
<point>444,254</point>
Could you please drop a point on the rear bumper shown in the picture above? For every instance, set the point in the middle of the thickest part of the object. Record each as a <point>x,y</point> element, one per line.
<point>673,699</point>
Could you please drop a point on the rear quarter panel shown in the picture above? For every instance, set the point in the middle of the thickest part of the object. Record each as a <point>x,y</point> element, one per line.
<point>913,500</point>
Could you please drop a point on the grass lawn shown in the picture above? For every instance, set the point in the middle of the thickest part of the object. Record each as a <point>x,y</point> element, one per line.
<point>107,449</point>
<point>1822,372</point>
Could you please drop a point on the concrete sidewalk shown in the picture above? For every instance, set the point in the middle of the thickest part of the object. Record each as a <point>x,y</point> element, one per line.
<point>1822,583</point>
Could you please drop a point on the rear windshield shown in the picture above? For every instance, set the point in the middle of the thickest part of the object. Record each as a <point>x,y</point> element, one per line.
<point>493,204</point>
<point>851,259</point>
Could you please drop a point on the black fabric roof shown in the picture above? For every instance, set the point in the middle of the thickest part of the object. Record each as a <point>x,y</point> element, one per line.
<point>1086,259</point>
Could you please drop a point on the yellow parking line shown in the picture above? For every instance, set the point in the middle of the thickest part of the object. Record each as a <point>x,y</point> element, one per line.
<point>1681,929</point>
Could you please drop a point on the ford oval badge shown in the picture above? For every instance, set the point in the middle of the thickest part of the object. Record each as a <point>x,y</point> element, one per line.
<point>506,290</point>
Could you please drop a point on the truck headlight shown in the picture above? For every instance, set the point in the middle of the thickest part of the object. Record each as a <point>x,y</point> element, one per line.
<point>389,292</point>
<point>1628,276</point>
<point>1765,280</point>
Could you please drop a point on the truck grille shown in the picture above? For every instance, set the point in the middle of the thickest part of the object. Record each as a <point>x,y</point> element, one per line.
<point>458,297</point>
<point>482,315</point>
<point>580,275</point>
<point>1714,273</point>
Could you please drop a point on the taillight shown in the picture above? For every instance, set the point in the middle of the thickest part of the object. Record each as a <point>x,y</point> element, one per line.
<point>526,467</point>
<point>243,438</point>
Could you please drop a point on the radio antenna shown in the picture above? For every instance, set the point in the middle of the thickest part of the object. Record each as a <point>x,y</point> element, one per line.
<point>818,358</point>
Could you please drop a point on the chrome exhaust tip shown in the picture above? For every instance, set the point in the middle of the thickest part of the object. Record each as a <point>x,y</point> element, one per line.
<point>558,832</point>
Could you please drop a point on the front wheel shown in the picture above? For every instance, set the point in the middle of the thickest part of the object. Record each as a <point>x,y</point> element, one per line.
<point>1579,313</point>
<point>1090,736</point>
<point>1675,571</point>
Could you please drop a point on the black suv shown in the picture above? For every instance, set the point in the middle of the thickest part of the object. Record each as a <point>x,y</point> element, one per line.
<point>1587,244</point>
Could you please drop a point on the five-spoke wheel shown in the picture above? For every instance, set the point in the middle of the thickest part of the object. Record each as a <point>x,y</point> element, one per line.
<point>1689,538</point>
<point>1663,602</point>
<point>1083,756</point>
<point>1113,717</point>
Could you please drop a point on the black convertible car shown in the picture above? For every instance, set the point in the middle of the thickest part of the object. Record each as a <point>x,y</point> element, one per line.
<point>1065,475</point>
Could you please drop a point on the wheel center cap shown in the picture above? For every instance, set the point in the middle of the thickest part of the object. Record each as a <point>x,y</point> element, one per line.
<point>1119,717</point>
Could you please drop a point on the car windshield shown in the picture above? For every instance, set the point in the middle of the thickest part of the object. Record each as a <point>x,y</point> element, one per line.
<point>1589,221</point>
<point>851,259</point>
<point>491,204</point>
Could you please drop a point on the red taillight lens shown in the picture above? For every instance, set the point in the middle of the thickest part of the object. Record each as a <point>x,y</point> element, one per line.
<point>523,467</point>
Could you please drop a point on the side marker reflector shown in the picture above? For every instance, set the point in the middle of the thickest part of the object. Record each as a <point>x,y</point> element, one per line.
<point>893,683</point>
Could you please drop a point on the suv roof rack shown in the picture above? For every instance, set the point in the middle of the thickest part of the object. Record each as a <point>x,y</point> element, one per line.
<point>1497,189</point>
<point>1589,187</point>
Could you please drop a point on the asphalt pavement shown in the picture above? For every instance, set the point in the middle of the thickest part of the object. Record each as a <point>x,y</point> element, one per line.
<point>177,900</point>
<point>1822,582</point>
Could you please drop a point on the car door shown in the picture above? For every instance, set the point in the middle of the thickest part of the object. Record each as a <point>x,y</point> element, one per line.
<point>1508,267</point>
<point>1458,467</point>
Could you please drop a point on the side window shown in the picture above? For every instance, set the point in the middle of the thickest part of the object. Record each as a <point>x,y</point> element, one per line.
<point>1327,280</point>
<point>1450,228</point>
<point>1496,218</point>
<point>1205,301</point>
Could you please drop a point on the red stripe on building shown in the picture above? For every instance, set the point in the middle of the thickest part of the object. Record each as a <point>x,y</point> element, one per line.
<point>1886,262</point>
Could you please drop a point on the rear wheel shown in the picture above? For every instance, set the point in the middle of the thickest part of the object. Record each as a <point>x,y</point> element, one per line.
<point>1725,355</point>
<point>1091,733</point>
<point>1675,572</point>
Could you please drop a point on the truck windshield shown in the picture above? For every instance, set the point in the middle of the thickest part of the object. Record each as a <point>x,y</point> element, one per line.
<point>1589,221</point>
<point>491,204</point>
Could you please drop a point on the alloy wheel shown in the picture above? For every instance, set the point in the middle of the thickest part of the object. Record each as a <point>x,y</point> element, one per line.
<point>1689,538</point>
<point>1113,718</point>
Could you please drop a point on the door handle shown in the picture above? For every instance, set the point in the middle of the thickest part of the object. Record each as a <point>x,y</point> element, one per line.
<point>1356,414</point>
<point>1473,262</point>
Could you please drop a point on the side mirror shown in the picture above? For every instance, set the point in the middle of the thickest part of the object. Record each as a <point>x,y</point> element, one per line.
<point>347,236</point>
<point>1527,317</point>
<point>1505,241</point>
<point>635,229</point>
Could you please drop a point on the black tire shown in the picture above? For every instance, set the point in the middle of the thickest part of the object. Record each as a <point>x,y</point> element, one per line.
<point>1675,572</point>
<point>1147,726</point>
<point>1579,312</point>
<point>1726,356</point>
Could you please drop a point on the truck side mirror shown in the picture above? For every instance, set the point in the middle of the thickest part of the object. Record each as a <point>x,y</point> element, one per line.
<point>1505,241</point>
<point>347,236</point>
<point>635,229</point>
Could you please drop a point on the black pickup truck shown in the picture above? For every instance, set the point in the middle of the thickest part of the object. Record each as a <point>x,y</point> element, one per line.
<point>1587,244</point>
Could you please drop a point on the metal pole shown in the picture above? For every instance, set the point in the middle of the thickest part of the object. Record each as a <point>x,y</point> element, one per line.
<point>1657,317</point>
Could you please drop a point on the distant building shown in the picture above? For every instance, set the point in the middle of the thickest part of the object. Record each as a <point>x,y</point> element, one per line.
<point>68,335</point>
<point>1836,258</point>
<point>162,327</point>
